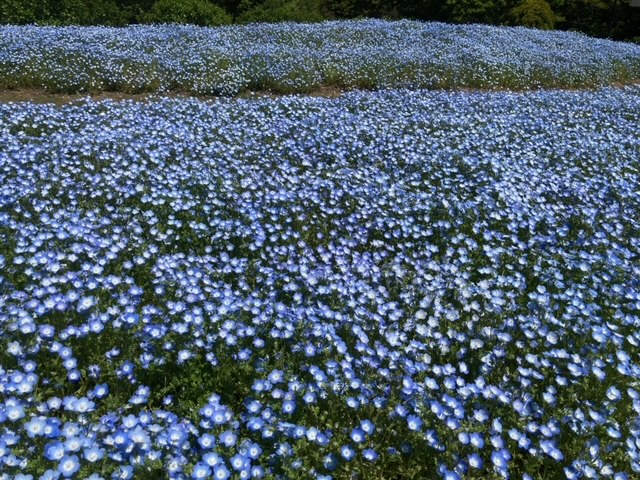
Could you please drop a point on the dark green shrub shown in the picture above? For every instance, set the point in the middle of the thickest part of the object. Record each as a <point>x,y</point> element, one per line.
<point>475,11</point>
<point>21,12</point>
<point>61,12</point>
<point>196,12</point>
<point>535,14</point>
<point>283,11</point>
<point>88,12</point>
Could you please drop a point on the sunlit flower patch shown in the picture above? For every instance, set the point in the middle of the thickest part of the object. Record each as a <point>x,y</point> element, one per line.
<point>387,285</point>
<point>289,57</point>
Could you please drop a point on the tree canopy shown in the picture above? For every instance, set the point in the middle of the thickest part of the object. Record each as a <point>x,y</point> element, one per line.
<point>605,18</point>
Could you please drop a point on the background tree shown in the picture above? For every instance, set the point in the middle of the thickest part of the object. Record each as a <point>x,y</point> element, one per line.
<point>604,18</point>
<point>196,12</point>
<point>477,11</point>
<point>534,13</point>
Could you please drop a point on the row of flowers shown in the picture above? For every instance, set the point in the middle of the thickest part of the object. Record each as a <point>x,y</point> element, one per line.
<point>392,284</point>
<point>293,57</point>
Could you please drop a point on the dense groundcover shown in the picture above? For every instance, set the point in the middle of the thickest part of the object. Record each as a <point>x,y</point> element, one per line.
<point>290,57</point>
<point>386,285</point>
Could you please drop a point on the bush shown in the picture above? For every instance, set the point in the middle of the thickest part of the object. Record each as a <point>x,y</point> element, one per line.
<point>88,12</point>
<point>196,12</point>
<point>475,11</point>
<point>535,14</point>
<point>61,12</point>
<point>283,11</point>
<point>21,12</point>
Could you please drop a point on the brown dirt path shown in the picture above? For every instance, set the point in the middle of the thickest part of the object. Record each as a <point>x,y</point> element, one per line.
<point>43,96</point>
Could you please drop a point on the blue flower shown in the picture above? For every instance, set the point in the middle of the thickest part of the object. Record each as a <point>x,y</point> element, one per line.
<point>288,407</point>
<point>414,422</point>
<point>370,454</point>
<point>347,452</point>
<point>227,438</point>
<point>220,472</point>
<point>36,426</point>
<point>207,441</point>
<point>54,451</point>
<point>68,466</point>
<point>254,451</point>
<point>201,470</point>
<point>367,426</point>
<point>330,462</point>
<point>93,454</point>
<point>357,435</point>
<point>476,461</point>
<point>14,412</point>
<point>239,462</point>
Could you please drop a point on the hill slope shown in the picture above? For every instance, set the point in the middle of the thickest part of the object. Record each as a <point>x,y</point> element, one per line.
<point>286,58</point>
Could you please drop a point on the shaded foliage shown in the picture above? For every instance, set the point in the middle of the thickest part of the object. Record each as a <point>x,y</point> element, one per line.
<point>196,12</point>
<point>604,18</point>
<point>534,13</point>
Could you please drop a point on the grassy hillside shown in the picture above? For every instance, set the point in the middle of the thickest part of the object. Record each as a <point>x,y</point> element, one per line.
<point>287,58</point>
<point>385,285</point>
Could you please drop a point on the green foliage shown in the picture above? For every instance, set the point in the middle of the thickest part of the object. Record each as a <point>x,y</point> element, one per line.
<point>89,12</point>
<point>282,11</point>
<point>534,13</point>
<point>476,11</point>
<point>21,12</point>
<point>62,12</point>
<point>364,8</point>
<point>604,18</point>
<point>197,12</point>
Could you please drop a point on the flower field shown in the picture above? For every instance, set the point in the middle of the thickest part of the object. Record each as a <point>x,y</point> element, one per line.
<point>289,58</point>
<point>385,285</point>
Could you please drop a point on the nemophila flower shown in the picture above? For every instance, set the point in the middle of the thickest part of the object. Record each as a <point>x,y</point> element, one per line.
<point>414,423</point>
<point>475,461</point>
<point>352,402</point>
<point>330,461</point>
<point>54,451</point>
<point>239,462</point>
<point>288,407</point>
<point>220,416</point>
<point>500,459</point>
<point>14,412</point>
<point>207,441</point>
<point>36,426</point>
<point>276,376</point>
<point>73,444</point>
<point>220,472</point>
<point>257,471</point>
<point>227,438</point>
<point>347,452</point>
<point>50,475</point>
<point>100,391</point>
<point>357,435</point>
<point>141,395</point>
<point>450,475</point>
<point>201,470</point>
<point>123,473</point>
<point>93,454</point>
<point>85,303</point>
<point>68,466</point>
<point>254,451</point>
<point>83,405</point>
<point>370,455</point>
<point>367,426</point>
